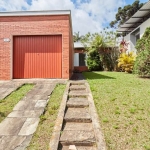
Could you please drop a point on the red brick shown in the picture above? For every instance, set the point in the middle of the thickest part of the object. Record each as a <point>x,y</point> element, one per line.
<point>35,25</point>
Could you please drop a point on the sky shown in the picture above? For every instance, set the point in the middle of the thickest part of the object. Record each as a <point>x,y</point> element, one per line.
<point>87,15</point>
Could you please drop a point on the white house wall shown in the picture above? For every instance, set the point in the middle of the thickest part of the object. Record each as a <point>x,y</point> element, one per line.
<point>76,59</point>
<point>129,38</point>
<point>143,26</point>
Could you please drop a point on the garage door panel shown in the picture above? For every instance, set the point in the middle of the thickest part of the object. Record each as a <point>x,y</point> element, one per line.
<point>37,57</point>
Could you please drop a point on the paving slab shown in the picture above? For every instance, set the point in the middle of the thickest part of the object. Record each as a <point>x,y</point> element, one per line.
<point>23,105</point>
<point>43,86</point>
<point>25,113</point>
<point>30,97</point>
<point>40,103</point>
<point>29,127</point>
<point>77,115</point>
<point>77,102</point>
<point>79,138</point>
<point>14,142</point>
<point>72,126</point>
<point>11,126</point>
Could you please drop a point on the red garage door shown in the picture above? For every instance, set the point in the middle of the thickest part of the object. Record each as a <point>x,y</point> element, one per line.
<point>37,56</point>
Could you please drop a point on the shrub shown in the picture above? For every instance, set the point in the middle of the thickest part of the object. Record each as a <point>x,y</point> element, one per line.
<point>126,61</point>
<point>142,63</point>
<point>144,41</point>
<point>93,61</point>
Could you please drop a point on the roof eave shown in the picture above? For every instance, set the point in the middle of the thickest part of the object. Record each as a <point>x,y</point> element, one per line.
<point>35,13</point>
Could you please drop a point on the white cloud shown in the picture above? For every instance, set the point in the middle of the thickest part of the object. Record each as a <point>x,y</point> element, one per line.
<point>87,15</point>
<point>13,5</point>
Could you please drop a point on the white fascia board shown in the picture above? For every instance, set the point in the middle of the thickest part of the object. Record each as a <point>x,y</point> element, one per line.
<point>35,13</point>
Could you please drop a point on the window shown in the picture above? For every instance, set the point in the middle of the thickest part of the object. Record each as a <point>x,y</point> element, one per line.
<point>82,57</point>
<point>137,36</point>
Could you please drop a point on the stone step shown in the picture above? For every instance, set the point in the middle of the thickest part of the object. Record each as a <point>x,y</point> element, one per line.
<point>77,87</point>
<point>76,93</point>
<point>77,115</point>
<point>77,83</point>
<point>75,126</point>
<point>77,102</point>
<point>80,148</point>
<point>78,138</point>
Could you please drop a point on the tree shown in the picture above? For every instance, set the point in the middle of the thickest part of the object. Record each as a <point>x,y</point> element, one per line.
<point>126,13</point>
<point>101,50</point>
<point>77,37</point>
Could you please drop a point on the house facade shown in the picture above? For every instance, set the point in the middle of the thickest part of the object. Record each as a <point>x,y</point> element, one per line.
<point>134,28</point>
<point>36,44</point>
<point>80,55</point>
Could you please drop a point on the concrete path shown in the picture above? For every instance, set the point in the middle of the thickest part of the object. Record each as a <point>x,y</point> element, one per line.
<point>17,129</point>
<point>77,122</point>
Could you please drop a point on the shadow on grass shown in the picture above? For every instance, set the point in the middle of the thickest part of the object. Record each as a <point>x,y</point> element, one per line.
<point>94,75</point>
<point>2,114</point>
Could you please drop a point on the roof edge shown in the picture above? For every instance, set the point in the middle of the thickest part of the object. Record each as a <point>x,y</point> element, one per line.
<point>35,13</point>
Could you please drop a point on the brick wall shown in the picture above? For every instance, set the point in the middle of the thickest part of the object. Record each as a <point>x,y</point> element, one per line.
<point>80,68</point>
<point>32,25</point>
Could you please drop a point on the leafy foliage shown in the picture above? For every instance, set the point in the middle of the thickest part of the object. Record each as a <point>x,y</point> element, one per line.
<point>101,50</point>
<point>142,63</point>
<point>126,61</point>
<point>92,42</point>
<point>77,37</point>
<point>126,13</point>
<point>93,61</point>
<point>123,46</point>
<point>144,41</point>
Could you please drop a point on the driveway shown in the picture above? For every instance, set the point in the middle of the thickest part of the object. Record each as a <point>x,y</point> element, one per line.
<point>17,128</point>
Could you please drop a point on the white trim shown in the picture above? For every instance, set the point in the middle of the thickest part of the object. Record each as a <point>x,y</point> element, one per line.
<point>36,13</point>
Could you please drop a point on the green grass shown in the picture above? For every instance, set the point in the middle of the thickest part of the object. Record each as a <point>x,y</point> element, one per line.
<point>123,105</point>
<point>41,138</point>
<point>8,103</point>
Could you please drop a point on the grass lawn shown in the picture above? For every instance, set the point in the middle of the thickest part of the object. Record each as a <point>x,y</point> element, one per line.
<point>123,105</point>
<point>41,138</point>
<point>8,103</point>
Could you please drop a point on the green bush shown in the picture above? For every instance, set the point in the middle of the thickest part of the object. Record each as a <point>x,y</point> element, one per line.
<point>144,41</point>
<point>142,63</point>
<point>93,61</point>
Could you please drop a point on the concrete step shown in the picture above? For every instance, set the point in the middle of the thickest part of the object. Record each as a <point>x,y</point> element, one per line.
<point>77,87</point>
<point>80,93</point>
<point>80,148</point>
<point>75,126</point>
<point>77,102</point>
<point>77,115</point>
<point>77,83</point>
<point>78,138</point>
